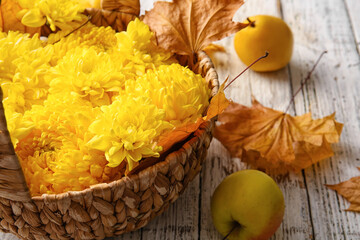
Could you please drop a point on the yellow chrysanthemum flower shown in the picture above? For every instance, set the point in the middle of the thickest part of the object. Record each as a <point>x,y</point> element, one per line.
<point>100,38</point>
<point>183,94</point>
<point>32,69</point>
<point>57,13</point>
<point>126,130</point>
<point>17,126</point>
<point>12,46</point>
<point>23,67</point>
<point>24,63</point>
<point>88,74</point>
<point>54,156</point>
<point>137,51</point>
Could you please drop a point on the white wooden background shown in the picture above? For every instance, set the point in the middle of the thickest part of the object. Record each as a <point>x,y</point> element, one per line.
<point>312,210</point>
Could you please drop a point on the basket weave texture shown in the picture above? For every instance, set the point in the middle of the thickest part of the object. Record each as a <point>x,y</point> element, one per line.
<point>107,209</point>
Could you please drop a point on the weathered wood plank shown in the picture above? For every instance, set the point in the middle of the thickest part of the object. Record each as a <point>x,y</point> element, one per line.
<point>273,90</point>
<point>180,221</point>
<point>353,9</point>
<point>7,236</point>
<point>136,235</point>
<point>320,25</point>
<point>324,24</point>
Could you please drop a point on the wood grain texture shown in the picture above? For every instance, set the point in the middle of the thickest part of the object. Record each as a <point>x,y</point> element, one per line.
<point>317,25</point>
<point>180,221</point>
<point>8,236</point>
<point>320,25</point>
<point>272,90</point>
<point>353,9</point>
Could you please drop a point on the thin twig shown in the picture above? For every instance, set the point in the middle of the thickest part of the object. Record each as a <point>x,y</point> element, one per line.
<point>305,81</point>
<point>74,30</point>
<point>266,54</point>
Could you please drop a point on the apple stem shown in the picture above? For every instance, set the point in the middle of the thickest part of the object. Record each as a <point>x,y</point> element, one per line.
<point>266,54</point>
<point>230,232</point>
<point>251,23</point>
<point>305,81</point>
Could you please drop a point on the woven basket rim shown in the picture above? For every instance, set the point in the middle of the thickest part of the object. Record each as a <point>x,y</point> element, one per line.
<point>151,168</point>
<point>124,179</point>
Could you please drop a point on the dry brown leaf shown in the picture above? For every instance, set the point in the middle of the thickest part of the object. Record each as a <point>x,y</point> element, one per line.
<point>124,6</point>
<point>350,190</point>
<point>9,21</point>
<point>117,20</point>
<point>218,103</point>
<point>114,13</point>
<point>179,134</point>
<point>188,26</point>
<point>275,141</point>
<point>1,20</point>
<point>213,48</point>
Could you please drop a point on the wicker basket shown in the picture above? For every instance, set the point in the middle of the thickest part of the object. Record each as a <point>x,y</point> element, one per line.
<point>107,209</point>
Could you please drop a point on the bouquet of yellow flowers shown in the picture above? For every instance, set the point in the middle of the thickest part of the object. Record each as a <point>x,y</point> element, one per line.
<point>87,108</point>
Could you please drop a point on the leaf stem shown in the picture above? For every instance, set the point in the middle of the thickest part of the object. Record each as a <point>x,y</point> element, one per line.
<point>74,30</point>
<point>266,54</point>
<point>305,81</point>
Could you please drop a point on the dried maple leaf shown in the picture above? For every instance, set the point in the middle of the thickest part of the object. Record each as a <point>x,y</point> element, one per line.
<point>275,141</point>
<point>124,6</point>
<point>178,134</point>
<point>188,26</point>
<point>117,20</point>
<point>114,13</point>
<point>212,48</point>
<point>218,103</point>
<point>9,21</point>
<point>350,190</point>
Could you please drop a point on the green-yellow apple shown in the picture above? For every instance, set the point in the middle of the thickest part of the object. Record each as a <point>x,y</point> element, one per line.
<point>247,204</point>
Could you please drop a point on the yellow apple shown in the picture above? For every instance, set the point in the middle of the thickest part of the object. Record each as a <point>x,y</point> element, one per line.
<point>247,204</point>
<point>265,34</point>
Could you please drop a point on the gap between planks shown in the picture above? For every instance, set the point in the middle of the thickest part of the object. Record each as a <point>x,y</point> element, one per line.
<point>293,91</point>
